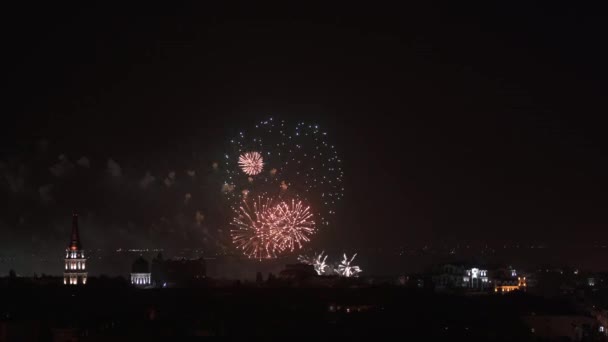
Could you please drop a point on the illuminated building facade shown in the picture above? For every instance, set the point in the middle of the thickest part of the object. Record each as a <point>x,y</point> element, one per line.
<point>140,273</point>
<point>453,276</point>
<point>475,278</point>
<point>75,271</point>
<point>510,285</point>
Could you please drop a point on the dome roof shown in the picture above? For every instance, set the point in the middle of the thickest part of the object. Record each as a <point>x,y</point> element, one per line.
<point>140,266</point>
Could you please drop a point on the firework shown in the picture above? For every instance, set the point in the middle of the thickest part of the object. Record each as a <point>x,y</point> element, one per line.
<point>301,163</point>
<point>317,261</point>
<point>251,163</point>
<point>252,229</point>
<point>291,225</point>
<point>345,269</point>
<point>264,230</point>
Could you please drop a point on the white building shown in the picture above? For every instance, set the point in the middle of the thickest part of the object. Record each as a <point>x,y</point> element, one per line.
<point>75,271</point>
<point>475,278</point>
<point>456,276</point>
<point>140,273</point>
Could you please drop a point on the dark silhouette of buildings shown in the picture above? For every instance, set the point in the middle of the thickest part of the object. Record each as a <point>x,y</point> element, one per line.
<point>298,272</point>
<point>177,272</point>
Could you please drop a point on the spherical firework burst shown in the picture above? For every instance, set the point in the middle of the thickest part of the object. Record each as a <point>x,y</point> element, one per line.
<point>292,224</point>
<point>252,229</point>
<point>264,229</point>
<point>293,165</point>
<point>251,163</point>
<point>298,162</point>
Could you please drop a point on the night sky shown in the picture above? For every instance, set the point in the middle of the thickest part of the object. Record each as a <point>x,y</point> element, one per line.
<point>455,124</point>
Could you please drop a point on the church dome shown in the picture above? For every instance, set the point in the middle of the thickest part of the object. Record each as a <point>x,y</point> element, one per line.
<point>140,266</point>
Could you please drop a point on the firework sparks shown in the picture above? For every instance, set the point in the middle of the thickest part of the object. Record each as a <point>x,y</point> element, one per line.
<point>253,227</point>
<point>264,229</point>
<point>317,261</point>
<point>345,269</point>
<point>297,161</point>
<point>291,224</point>
<point>251,163</point>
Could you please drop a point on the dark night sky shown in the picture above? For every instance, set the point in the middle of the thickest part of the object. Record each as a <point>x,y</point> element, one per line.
<point>477,124</point>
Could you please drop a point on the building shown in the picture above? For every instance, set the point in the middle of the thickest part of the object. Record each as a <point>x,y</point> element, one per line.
<point>449,276</point>
<point>509,285</point>
<point>298,272</point>
<point>453,276</point>
<point>75,272</point>
<point>181,272</point>
<point>178,272</point>
<point>475,278</point>
<point>140,273</point>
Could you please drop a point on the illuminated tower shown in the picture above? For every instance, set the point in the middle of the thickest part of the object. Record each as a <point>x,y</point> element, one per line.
<point>75,272</point>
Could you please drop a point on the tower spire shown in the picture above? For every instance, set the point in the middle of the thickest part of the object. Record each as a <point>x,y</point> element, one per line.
<point>75,271</point>
<point>75,240</point>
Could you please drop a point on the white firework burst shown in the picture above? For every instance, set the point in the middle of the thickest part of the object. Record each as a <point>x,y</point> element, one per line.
<point>318,261</point>
<point>345,269</point>
<point>251,163</point>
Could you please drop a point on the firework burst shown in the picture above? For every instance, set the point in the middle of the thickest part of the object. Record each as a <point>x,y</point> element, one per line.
<point>251,163</point>
<point>318,261</point>
<point>292,224</point>
<point>252,229</point>
<point>301,167</point>
<point>263,229</point>
<point>301,163</point>
<point>345,269</point>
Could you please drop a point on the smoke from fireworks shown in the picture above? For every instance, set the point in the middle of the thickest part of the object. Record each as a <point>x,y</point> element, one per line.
<point>317,261</point>
<point>345,269</point>
<point>251,163</point>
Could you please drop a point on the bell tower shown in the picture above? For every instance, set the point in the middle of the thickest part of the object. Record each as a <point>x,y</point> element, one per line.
<point>75,272</point>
